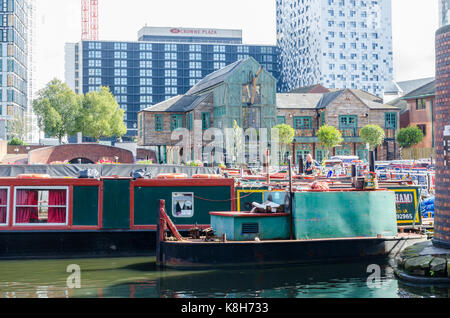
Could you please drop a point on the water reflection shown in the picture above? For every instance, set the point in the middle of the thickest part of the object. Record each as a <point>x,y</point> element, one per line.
<point>140,278</point>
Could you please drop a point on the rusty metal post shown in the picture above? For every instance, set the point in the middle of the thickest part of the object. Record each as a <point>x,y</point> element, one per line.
<point>291,194</point>
<point>160,232</point>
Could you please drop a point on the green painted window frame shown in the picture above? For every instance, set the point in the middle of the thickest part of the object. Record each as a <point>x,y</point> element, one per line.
<point>348,126</point>
<point>421,103</point>
<point>302,120</point>
<point>322,118</point>
<point>159,122</point>
<point>321,157</point>
<point>391,120</point>
<point>206,121</point>
<point>362,149</point>
<point>344,151</point>
<point>281,120</point>
<point>303,151</point>
<point>176,121</point>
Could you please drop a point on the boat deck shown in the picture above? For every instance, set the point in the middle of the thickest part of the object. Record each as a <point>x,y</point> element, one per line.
<point>400,236</point>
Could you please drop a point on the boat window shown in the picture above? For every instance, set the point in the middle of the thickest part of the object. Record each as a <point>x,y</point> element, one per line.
<point>3,206</point>
<point>41,206</point>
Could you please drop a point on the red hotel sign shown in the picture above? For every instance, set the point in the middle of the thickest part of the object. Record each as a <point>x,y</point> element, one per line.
<point>194,32</point>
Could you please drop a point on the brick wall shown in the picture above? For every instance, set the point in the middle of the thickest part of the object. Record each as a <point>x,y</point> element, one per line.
<point>92,152</point>
<point>23,150</point>
<point>442,119</point>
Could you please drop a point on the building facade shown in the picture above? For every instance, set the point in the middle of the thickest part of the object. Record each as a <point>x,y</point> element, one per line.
<point>221,98</point>
<point>420,113</point>
<point>217,101</point>
<point>337,43</point>
<point>442,139</point>
<point>349,110</point>
<point>444,12</point>
<point>14,59</point>
<point>164,63</point>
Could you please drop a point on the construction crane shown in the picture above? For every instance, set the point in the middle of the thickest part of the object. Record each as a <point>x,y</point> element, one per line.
<point>89,20</point>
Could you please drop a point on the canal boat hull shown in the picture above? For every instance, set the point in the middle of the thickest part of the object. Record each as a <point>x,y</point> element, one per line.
<point>204,255</point>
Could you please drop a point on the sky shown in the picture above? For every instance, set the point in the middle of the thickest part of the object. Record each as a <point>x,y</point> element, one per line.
<point>59,21</point>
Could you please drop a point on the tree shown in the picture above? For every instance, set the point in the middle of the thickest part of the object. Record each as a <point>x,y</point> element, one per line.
<point>373,135</point>
<point>101,115</point>
<point>286,136</point>
<point>329,138</point>
<point>409,137</point>
<point>16,142</point>
<point>18,127</point>
<point>57,109</point>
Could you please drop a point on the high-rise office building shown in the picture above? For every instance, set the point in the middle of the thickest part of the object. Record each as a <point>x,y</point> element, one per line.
<point>163,63</point>
<point>14,60</point>
<point>336,43</point>
<point>444,12</point>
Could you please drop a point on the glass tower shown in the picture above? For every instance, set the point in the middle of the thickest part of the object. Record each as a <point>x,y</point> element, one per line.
<point>444,11</point>
<point>14,59</point>
<point>165,62</point>
<point>336,43</point>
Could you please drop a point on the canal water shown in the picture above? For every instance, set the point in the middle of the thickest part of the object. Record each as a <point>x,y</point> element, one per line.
<point>140,278</point>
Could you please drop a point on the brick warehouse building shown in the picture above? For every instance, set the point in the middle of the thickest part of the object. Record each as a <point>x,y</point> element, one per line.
<point>442,138</point>
<point>222,97</point>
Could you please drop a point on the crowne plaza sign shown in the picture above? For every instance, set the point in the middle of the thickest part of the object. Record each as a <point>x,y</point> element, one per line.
<point>194,31</point>
<point>189,32</point>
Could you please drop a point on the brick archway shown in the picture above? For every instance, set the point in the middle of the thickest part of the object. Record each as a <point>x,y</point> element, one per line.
<point>90,152</point>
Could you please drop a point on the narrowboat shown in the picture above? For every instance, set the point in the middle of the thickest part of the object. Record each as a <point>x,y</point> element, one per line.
<point>321,227</point>
<point>48,217</point>
<point>61,215</point>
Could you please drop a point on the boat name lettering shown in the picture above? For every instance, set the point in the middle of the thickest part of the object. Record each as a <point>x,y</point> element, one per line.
<point>403,198</point>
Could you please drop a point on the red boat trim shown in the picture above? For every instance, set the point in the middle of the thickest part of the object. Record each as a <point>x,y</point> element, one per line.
<point>180,227</point>
<point>182,182</point>
<point>247,215</point>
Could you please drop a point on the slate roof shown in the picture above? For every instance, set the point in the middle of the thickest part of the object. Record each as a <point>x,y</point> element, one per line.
<point>400,103</point>
<point>366,95</point>
<point>308,89</point>
<point>407,87</point>
<point>179,104</point>
<point>296,101</point>
<point>328,98</point>
<point>426,90</point>
<point>215,78</point>
<point>320,101</point>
